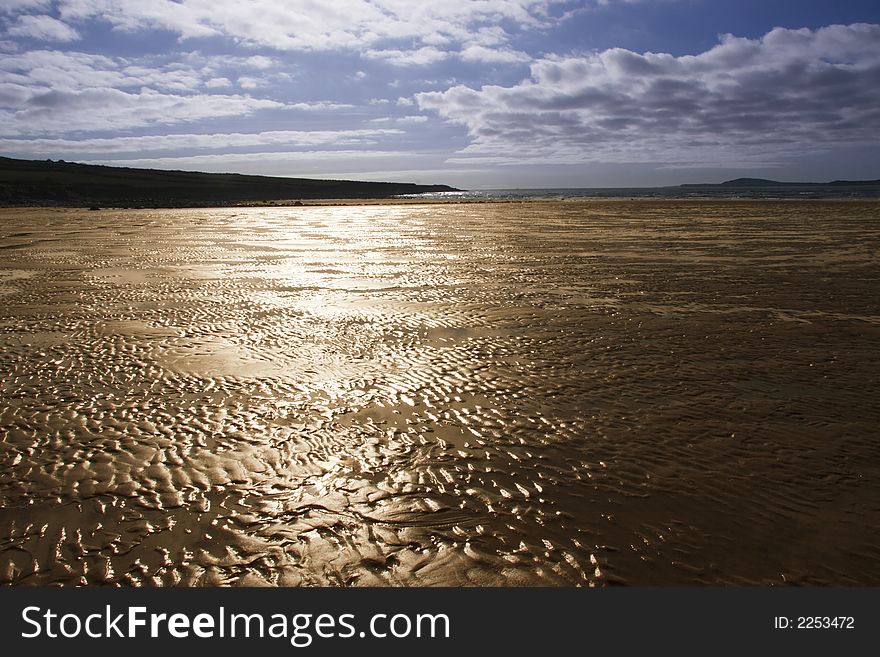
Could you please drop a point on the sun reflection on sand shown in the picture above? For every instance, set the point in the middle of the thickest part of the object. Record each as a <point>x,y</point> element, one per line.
<point>513,394</point>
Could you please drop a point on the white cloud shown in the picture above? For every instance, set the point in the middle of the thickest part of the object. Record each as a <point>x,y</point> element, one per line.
<point>44,28</point>
<point>230,161</point>
<point>112,109</point>
<point>412,119</point>
<point>45,70</point>
<point>745,100</point>
<point>260,62</point>
<point>247,82</point>
<point>403,120</point>
<point>212,141</point>
<point>403,32</point>
<point>15,6</point>
<point>13,94</point>
<point>185,18</point>
<point>493,55</point>
<point>307,25</point>
<point>417,57</point>
<point>319,106</point>
<point>218,83</point>
<point>52,92</point>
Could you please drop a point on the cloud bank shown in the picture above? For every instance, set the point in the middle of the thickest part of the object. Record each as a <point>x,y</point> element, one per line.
<point>743,101</point>
<point>196,141</point>
<point>401,31</point>
<point>42,27</point>
<point>50,92</point>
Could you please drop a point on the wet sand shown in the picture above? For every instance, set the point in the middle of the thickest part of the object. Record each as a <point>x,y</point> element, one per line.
<point>545,393</point>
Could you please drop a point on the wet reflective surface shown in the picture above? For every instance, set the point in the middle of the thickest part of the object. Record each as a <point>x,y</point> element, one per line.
<point>545,393</point>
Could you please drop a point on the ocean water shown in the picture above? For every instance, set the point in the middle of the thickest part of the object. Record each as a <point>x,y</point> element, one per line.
<point>556,393</point>
<point>775,192</point>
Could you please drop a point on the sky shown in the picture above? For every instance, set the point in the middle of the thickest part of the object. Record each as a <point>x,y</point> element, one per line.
<point>478,94</point>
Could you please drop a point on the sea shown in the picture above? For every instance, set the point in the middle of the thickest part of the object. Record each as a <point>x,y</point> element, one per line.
<point>799,191</point>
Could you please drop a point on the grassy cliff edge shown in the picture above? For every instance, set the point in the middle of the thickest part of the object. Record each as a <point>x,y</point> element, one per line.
<point>60,183</point>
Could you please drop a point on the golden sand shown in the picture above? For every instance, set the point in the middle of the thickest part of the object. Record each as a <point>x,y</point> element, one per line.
<point>562,393</point>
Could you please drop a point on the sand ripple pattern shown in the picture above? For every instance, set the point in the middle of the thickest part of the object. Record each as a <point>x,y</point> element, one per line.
<point>545,393</point>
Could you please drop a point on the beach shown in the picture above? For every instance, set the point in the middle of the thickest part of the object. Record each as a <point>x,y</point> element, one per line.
<point>535,393</point>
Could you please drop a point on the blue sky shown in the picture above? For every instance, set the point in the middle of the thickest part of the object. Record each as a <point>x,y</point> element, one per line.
<point>476,94</point>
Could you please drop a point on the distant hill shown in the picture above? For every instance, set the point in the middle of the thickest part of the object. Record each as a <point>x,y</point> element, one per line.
<point>60,183</point>
<point>763,182</point>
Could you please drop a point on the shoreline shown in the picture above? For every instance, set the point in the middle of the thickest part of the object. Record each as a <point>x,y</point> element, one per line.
<point>455,201</point>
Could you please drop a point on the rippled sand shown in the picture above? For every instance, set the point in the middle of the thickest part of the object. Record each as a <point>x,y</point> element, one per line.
<point>545,393</point>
